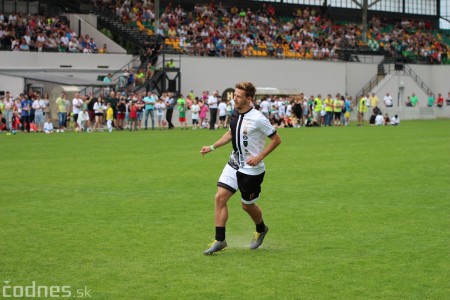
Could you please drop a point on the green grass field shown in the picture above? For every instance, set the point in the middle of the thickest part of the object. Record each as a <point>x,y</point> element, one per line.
<point>354,213</point>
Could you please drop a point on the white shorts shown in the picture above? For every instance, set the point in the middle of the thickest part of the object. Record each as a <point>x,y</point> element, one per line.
<point>228,179</point>
<point>250,184</point>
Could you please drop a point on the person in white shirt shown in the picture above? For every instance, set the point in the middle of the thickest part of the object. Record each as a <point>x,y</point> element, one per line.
<point>222,113</point>
<point>12,18</point>
<point>245,170</point>
<point>306,109</point>
<point>8,106</point>
<point>87,49</point>
<point>368,104</point>
<point>99,109</point>
<point>64,40</point>
<point>38,106</point>
<point>281,105</point>
<point>160,107</point>
<point>83,119</point>
<point>27,38</point>
<point>15,44</point>
<point>195,110</point>
<point>289,108</point>
<point>395,120</point>
<point>41,38</point>
<point>72,46</point>
<point>264,106</point>
<point>213,104</point>
<point>48,126</point>
<point>77,103</point>
<point>387,100</point>
<point>379,120</point>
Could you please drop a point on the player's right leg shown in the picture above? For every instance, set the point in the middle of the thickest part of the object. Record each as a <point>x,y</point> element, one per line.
<point>220,220</point>
<point>226,187</point>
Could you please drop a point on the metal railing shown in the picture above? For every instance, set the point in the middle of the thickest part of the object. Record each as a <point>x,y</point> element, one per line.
<point>115,81</point>
<point>418,80</point>
<point>374,81</point>
<point>390,69</point>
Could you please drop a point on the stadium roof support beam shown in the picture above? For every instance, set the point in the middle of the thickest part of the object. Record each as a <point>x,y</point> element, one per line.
<point>438,7</point>
<point>365,7</point>
<point>157,4</point>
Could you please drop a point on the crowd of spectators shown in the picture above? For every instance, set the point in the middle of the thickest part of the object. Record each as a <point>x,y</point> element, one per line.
<point>215,30</point>
<point>20,32</point>
<point>142,110</point>
<point>411,40</point>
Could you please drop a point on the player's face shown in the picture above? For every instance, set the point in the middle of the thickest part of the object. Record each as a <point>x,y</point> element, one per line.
<point>241,102</point>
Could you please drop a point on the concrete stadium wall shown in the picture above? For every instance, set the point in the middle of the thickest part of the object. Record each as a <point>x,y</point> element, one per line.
<point>358,75</point>
<point>209,73</point>
<point>436,77</point>
<point>313,77</point>
<point>14,85</point>
<point>82,66</point>
<point>54,62</point>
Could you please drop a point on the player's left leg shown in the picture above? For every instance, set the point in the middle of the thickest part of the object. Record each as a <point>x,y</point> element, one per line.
<point>250,187</point>
<point>254,211</point>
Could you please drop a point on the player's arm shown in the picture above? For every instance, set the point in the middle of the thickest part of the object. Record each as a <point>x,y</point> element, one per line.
<point>225,139</point>
<point>275,140</point>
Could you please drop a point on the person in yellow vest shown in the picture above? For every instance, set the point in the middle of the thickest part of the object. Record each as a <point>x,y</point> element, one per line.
<point>337,108</point>
<point>170,64</point>
<point>317,108</point>
<point>109,116</point>
<point>191,94</point>
<point>328,110</point>
<point>362,108</point>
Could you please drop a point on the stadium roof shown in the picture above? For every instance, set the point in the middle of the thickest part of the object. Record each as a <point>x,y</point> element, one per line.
<point>437,8</point>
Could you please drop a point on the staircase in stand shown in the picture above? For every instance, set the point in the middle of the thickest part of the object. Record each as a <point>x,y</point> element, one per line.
<point>165,78</point>
<point>407,69</point>
<point>133,40</point>
<point>124,34</point>
<point>389,66</point>
<point>374,81</point>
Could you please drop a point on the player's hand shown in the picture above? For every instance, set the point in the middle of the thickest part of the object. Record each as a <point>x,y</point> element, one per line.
<point>205,150</point>
<point>253,161</point>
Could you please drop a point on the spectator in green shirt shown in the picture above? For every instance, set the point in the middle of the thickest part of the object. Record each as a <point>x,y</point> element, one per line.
<point>430,99</point>
<point>414,100</point>
<point>181,100</point>
<point>182,117</point>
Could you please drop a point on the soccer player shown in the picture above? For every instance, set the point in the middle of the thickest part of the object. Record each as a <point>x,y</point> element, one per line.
<point>245,169</point>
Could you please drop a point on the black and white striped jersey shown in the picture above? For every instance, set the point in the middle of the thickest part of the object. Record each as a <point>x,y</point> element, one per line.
<point>249,132</point>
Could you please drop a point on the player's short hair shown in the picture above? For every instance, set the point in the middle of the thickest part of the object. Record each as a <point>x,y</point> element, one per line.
<point>247,87</point>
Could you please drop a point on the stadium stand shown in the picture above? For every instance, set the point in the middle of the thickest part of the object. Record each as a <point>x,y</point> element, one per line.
<point>243,29</point>
<point>212,29</point>
<point>21,32</point>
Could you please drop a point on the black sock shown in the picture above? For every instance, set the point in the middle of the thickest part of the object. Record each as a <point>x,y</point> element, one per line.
<point>220,234</point>
<point>260,227</point>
